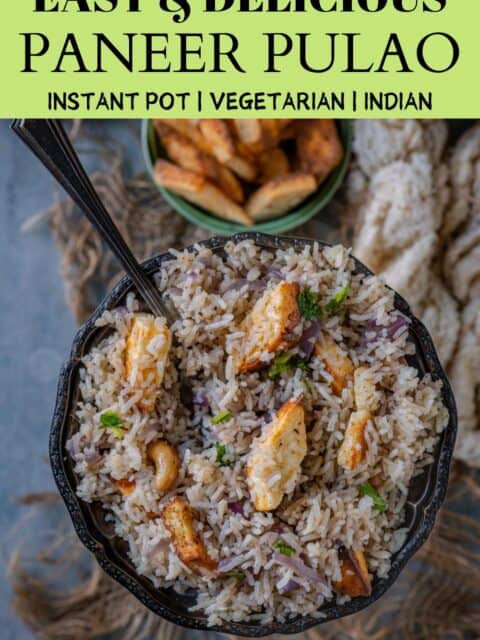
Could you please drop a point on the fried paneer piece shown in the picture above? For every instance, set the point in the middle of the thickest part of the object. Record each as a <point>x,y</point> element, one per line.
<point>269,326</point>
<point>280,195</point>
<point>366,395</point>
<point>277,454</point>
<point>186,128</point>
<point>273,130</point>
<point>219,147</point>
<point>219,138</point>
<point>243,166</point>
<point>290,129</point>
<point>248,130</point>
<point>187,155</point>
<point>198,190</point>
<point>179,519</point>
<point>319,149</point>
<point>167,464</point>
<point>177,179</point>
<point>336,362</point>
<point>146,354</point>
<point>355,577</point>
<point>273,164</point>
<point>354,447</point>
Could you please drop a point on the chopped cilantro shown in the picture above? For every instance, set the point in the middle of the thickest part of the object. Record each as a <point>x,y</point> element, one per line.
<point>301,364</point>
<point>308,304</point>
<point>221,453</point>
<point>285,361</point>
<point>280,363</point>
<point>308,382</point>
<point>240,575</point>
<point>378,502</point>
<point>336,302</point>
<point>284,548</point>
<point>112,421</point>
<point>223,416</point>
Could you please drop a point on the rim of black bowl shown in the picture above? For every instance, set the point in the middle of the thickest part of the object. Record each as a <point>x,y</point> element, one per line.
<point>160,601</point>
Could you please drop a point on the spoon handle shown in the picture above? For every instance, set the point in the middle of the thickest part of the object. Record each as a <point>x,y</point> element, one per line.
<point>50,143</point>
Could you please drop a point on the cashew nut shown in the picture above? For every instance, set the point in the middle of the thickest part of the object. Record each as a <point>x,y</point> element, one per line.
<point>167,464</point>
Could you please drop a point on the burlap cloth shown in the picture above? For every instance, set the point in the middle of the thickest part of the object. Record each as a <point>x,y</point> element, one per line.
<point>411,208</point>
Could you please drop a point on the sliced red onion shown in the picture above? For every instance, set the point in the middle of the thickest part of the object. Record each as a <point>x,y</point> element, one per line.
<point>377,331</point>
<point>309,337</point>
<point>275,274</point>
<point>93,458</point>
<point>289,586</point>
<point>253,285</point>
<point>201,400</point>
<point>398,324</point>
<point>237,507</point>
<point>227,564</point>
<point>257,285</point>
<point>192,277</point>
<point>122,311</point>
<point>70,447</point>
<point>75,445</point>
<point>160,547</point>
<point>300,568</point>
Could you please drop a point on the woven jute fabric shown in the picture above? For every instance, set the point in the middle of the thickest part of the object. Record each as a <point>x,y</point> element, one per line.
<point>438,595</point>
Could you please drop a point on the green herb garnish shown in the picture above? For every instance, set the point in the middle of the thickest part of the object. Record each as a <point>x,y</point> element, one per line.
<point>308,382</point>
<point>112,421</point>
<point>378,502</point>
<point>284,548</point>
<point>336,302</point>
<point>240,575</point>
<point>223,416</point>
<point>280,363</point>
<point>221,453</point>
<point>302,365</point>
<point>286,361</point>
<point>308,304</point>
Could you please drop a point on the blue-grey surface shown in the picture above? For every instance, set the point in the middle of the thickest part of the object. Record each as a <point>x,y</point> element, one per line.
<point>36,329</point>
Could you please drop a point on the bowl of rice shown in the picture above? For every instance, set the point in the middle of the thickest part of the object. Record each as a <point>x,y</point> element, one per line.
<point>306,469</point>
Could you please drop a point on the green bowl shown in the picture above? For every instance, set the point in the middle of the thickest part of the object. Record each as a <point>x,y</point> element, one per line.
<point>315,203</point>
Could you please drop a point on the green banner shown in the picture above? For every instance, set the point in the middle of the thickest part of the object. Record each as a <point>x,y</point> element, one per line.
<point>238,58</point>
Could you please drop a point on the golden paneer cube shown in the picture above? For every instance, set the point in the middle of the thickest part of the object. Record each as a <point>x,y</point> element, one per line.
<point>279,195</point>
<point>179,519</point>
<point>354,447</point>
<point>366,395</point>
<point>146,354</point>
<point>336,362</point>
<point>268,327</point>
<point>355,577</point>
<point>274,462</point>
<point>319,148</point>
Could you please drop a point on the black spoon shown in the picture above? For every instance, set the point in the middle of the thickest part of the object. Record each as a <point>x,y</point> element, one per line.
<point>50,143</point>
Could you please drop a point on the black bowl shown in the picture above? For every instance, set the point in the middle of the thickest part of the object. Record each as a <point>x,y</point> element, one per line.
<point>426,493</point>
